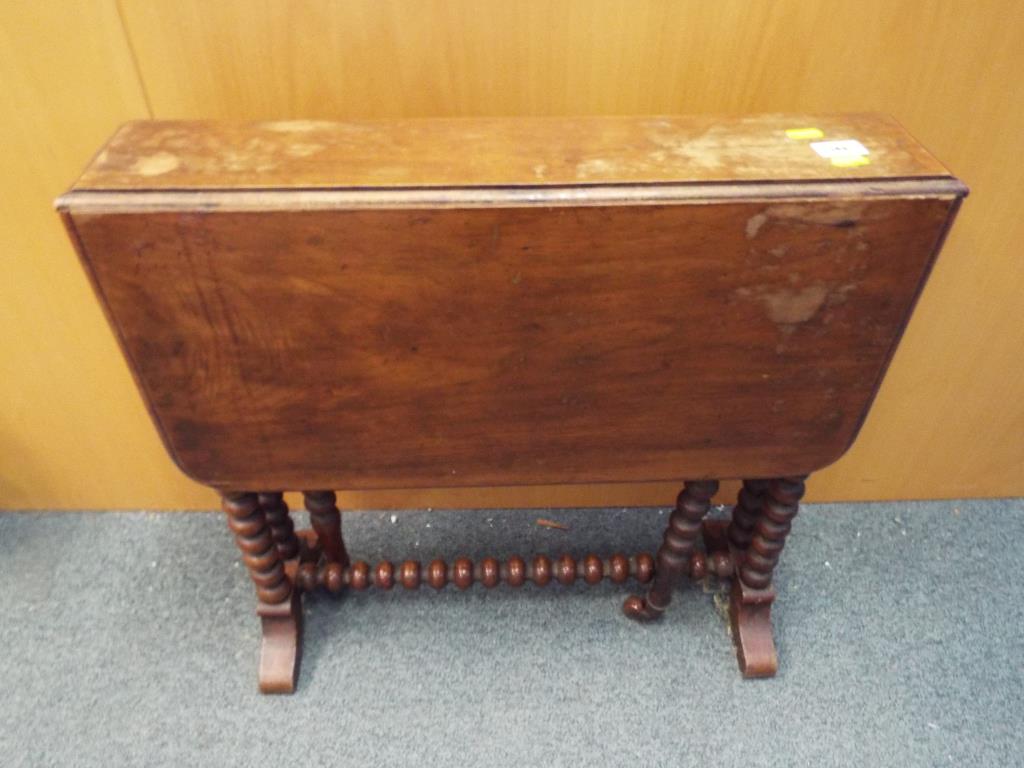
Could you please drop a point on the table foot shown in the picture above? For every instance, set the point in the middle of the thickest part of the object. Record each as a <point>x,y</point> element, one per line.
<point>281,647</point>
<point>640,609</point>
<point>750,615</point>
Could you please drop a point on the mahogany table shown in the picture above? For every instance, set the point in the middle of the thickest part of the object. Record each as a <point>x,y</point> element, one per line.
<point>423,303</point>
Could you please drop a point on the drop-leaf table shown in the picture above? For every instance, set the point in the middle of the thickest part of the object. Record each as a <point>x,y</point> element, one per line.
<point>315,306</point>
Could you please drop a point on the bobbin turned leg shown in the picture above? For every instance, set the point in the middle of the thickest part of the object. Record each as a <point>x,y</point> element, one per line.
<point>325,518</point>
<point>761,522</point>
<point>673,558</point>
<point>745,514</point>
<point>282,528</point>
<point>279,608</point>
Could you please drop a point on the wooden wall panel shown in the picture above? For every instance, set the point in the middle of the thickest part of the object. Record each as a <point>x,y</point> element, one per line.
<point>949,417</point>
<point>73,433</point>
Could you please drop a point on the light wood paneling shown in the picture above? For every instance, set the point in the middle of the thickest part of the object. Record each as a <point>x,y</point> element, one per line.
<point>73,433</point>
<point>949,417</point>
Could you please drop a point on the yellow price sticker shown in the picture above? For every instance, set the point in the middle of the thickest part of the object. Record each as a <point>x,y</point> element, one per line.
<point>804,134</point>
<point>849,162</point>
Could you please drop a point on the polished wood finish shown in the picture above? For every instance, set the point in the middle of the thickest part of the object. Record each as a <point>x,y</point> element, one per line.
<point>433,308</point>
<point>705,297</point>
<point>838,324</point>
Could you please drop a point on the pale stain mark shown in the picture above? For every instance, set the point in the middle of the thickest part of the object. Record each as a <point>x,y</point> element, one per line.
<point>595,167</point>
<point>838,296</point>
<point>754,224</point>
<point>156,164</point>
<point>704,151</point>
<point>790,307</point>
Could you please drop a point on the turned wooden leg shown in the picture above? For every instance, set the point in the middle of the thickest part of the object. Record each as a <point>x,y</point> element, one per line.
<point>279,608</point>
<point>673,559</point>
<point>752,594</point>
<point>325,518</point>
<point>745,513</point>
<point>282,528</point>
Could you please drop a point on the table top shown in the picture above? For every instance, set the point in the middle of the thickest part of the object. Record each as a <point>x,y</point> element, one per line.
<point>503,152</point>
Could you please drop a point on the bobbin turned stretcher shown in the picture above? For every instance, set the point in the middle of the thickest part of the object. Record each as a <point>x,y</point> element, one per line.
<point>315,306</point>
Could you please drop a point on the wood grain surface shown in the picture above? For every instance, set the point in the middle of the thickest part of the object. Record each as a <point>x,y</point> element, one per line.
<point>283,347</point>
<point>473,152</point>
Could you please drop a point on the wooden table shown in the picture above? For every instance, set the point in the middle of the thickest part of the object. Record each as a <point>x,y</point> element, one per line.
<point>312,306</point>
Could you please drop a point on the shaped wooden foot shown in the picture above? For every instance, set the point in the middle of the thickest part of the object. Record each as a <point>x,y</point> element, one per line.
<point>750,615</point>
<point>761,522</point>
<point>281,649</point>
<point>673,559</point>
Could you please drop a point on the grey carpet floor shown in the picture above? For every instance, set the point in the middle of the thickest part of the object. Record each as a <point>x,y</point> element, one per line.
<point>129,639</point>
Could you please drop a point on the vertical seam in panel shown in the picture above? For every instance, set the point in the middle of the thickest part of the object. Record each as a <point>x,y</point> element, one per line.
<point>134,58</point>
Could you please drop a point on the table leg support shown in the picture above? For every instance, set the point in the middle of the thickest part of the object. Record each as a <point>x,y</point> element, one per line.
<point>281,647</point>
<point>745,513</point>
<point>673,558</point>
<point>282,563</point>
<point>771,508</point>
<point>325,517</point>
<point>279,606</point>
<point>282,528</point>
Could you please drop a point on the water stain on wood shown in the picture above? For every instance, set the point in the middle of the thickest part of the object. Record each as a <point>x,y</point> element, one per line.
<point>791,306</point>
<point>157,164</point>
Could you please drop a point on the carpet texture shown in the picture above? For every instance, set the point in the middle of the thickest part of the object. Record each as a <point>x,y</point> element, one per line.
<point>130,639</point>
